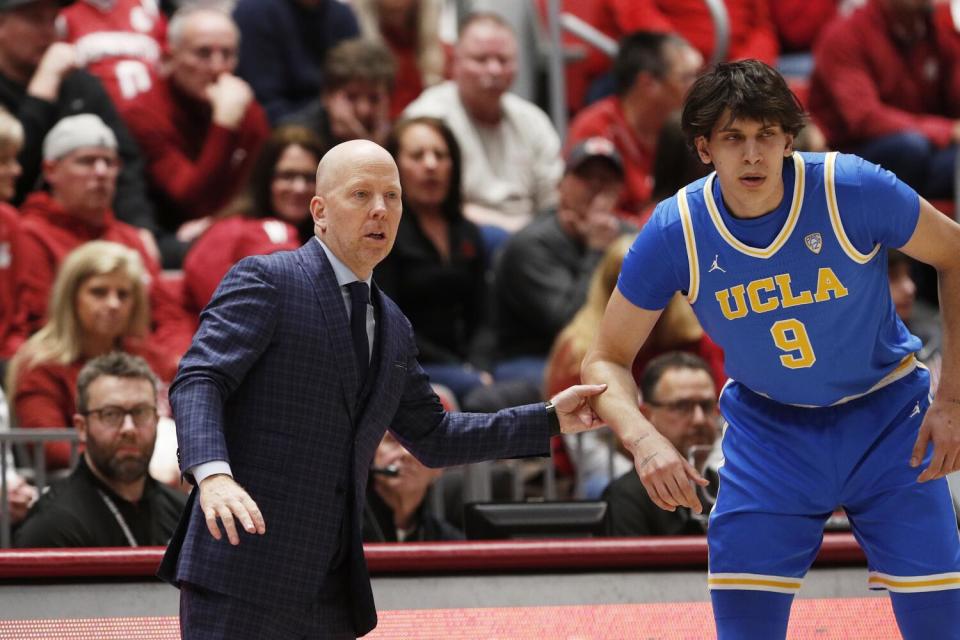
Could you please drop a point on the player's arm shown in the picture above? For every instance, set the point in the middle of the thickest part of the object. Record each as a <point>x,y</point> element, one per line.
<point>665,474</point>
<point>936,241</point>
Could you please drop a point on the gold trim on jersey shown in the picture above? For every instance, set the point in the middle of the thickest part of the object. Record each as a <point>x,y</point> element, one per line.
<point>754,582</point>
<point>907,365</point>
<point>792,217</point>
<point>914,584</point>
<point>686,222</point>
<point>830,186</point>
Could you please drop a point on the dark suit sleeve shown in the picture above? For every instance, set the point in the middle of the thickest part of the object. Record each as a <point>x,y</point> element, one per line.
<point>438,438</point>
<point>235,329</point>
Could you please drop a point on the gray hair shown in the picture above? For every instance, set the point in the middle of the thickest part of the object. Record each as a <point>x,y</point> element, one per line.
<point>180,17</point>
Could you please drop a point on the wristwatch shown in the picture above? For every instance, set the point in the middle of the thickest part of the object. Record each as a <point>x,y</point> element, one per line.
<point>552,419</point>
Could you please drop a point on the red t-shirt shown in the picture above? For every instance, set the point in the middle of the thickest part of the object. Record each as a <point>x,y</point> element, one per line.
<point>222,245</point>
<point>120,42</point>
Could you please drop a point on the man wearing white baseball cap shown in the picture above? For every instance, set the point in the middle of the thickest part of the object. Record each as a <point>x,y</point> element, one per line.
<point>80,168</point>
<point>40,84</point>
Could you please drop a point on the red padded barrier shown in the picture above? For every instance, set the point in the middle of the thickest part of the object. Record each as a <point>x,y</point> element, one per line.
<point>433,557</point>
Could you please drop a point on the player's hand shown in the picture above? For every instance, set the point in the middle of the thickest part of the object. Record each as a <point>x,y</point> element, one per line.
<point>221,497</point>
<point>666,475</point>
<point>941,427</point>
<point>574,410</point>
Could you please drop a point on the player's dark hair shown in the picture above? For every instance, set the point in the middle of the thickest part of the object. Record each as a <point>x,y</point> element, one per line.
<point>659,366</point>
<point>750,89</point>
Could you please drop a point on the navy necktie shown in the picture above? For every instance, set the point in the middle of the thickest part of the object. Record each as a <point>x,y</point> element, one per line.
<point>359,298</point>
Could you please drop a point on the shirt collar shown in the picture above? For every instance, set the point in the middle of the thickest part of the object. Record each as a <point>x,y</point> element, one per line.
<point>344,275</point>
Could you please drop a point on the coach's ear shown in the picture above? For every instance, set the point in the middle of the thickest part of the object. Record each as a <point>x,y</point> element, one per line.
<point>703,149</point>
<point>318,210</point>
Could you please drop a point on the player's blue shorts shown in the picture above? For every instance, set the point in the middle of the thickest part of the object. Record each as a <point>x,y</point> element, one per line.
<point>787,468</point>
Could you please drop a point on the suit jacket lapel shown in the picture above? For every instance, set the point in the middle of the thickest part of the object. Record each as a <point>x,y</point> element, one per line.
<point>314,263</point>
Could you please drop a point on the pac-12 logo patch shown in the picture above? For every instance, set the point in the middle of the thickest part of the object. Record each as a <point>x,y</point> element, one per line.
<point>814,242</point>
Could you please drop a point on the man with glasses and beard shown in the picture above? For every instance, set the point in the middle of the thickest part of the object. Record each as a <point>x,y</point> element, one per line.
<point>679,398</point>
<point>109,500</point>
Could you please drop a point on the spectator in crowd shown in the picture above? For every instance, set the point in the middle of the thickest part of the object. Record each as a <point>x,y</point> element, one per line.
<point>751,31</point>
<point>109,500</point>
<point>11,139</point>
<point>922,319</point>
<point>118,41</point>
<point>20,493</point>
<point>411,29</point>
<point>652,72</point>
<point>544,271</point>
<point>511,152</point>
<point>679,398</point>
<point>358,76</point>
<point>676,330</point>
<point>199,127</point>
<point>283,47</point>
<point>80,166</point>
<point>886,86</point>
<point>98,304</point>
<point>397,509</point>
<point>274,213</point>
<point>436,271</point>
<point>40,84</point>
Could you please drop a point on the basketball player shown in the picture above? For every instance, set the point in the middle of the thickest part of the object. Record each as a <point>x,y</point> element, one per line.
<point>783,256</point>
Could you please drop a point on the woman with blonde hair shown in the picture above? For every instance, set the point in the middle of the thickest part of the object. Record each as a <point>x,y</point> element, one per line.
<point>677,329</point>
<point>410,28</point>
<point>98,304</point>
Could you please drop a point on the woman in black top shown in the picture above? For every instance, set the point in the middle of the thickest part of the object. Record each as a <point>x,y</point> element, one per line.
<point>436,271</point>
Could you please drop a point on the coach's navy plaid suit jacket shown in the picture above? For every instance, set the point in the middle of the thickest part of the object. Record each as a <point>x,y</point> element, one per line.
<point>270,385</point>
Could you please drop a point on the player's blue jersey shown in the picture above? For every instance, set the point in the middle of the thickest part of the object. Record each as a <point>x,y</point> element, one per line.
<point>799,298</point>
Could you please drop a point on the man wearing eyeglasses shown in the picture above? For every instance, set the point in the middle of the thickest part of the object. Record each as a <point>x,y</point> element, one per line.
<point>109,500</point>
<point>680,400</point>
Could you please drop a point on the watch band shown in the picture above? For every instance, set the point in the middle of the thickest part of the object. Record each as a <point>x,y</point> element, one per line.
<point>552,419</point>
